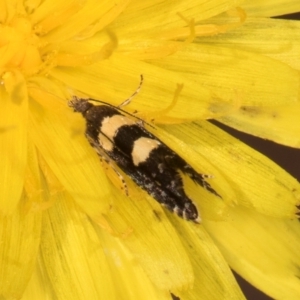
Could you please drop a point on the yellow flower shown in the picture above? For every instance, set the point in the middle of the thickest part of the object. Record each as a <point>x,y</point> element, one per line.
<point>66,231</point>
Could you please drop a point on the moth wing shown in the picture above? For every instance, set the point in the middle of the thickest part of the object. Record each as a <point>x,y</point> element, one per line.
<point>116,174</point>
<point>112,171</point>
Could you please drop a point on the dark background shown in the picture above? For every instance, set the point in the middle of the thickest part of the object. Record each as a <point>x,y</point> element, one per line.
<point>286,157</point>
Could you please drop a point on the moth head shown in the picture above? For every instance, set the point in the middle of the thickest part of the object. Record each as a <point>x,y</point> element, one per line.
<point>79,104</point>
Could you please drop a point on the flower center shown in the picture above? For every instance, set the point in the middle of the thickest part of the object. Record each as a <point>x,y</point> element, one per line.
<point>19,47</point>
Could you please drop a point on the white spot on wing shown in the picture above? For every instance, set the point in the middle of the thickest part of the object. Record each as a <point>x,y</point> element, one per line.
<point>105,143</point>
<point>111,125</point>
<point>109,129</point>
<point>142,149</point>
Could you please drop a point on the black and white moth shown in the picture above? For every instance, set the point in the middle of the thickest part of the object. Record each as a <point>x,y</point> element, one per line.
<point>122,139</point>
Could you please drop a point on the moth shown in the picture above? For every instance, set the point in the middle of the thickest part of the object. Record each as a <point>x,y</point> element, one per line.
<point>121,139</point>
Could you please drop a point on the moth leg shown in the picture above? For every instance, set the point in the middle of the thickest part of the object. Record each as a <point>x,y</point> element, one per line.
<point>104,158</point>
<point>119,175</point>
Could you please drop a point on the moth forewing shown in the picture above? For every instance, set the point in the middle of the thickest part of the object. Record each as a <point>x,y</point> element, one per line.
<point>208,204</point>
<point>124,142</point>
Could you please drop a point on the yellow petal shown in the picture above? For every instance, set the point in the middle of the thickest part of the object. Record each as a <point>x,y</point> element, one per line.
<point>13,146</point>
<point>63,146</point>
<point>276,123</point>
<point>158,42</point>
<point>72,255</point>
<point>127,273</point>
<point>257,35</point>
<point>148,234</point>
<point>154,22</point>
<point>268,8</point>
<point>264,250</point>
<point>251,85</point>
<point>45,9</point>
<point>37,200</point>
<point>254,180</point>
<point>20,237</point>
<point>280,123</point>
<point>72,246</point>
<point>106,81</point>
<point>213,278</point>
<point>77,21</point>
<point>244,77</point>
<point>39,286</point>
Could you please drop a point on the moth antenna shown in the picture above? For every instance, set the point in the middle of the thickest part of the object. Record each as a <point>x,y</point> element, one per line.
<point>128,100</point>
<point>124,103</point>
<point>141,121</point>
